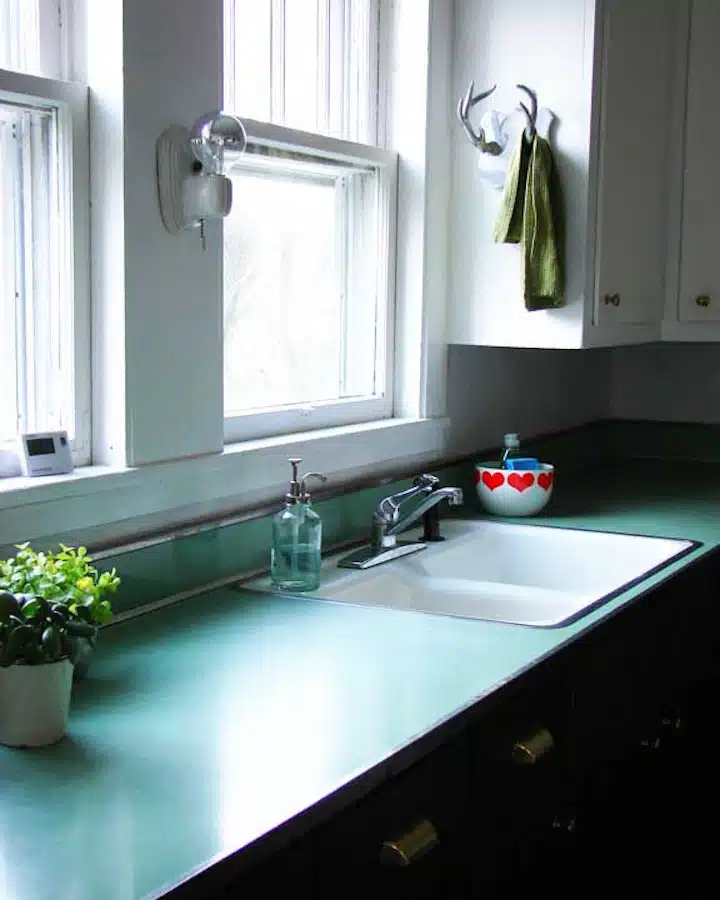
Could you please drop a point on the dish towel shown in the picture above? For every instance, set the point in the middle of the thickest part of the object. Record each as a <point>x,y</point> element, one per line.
<point>531,215</point>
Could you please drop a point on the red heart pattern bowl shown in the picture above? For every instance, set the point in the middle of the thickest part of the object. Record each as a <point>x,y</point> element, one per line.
<point>506,492</point>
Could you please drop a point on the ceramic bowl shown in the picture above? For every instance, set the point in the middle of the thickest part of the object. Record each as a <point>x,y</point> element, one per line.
<point>505,492</point>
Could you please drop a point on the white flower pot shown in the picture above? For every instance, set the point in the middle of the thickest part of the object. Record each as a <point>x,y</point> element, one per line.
<point>34,703</point>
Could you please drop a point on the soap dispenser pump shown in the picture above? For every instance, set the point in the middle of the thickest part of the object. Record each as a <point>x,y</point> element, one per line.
<point>296,537</point>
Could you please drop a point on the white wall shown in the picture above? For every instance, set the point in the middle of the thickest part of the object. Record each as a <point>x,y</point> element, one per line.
<point>157,378</point>
<point>546,45</point>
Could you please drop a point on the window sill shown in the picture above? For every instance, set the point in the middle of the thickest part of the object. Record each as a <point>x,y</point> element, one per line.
<point>79,506</point>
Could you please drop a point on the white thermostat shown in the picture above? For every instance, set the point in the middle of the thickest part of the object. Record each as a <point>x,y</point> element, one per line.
<point>45,453</point>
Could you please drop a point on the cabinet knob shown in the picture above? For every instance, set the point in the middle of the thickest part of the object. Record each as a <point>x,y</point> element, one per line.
<point>611,299</point>
<point>531,749</point>
<point>703,300</point>
<point>410,846</point>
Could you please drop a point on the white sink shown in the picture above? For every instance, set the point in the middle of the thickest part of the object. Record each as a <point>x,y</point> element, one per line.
<point>505,572</point>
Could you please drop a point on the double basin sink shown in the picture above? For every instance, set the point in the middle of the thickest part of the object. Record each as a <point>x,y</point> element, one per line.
<point>506,572</point>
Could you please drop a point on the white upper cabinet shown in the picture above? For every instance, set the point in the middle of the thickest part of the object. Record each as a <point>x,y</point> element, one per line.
<point>693,309</point>
<point>608,70</point>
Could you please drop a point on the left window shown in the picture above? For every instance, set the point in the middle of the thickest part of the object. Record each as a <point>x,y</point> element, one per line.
<point>44,203</point>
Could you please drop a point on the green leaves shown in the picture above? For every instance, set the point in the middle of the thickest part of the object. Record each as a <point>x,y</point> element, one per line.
<point>48,601</point>
<point>35,631</point>
<point>66,576</point>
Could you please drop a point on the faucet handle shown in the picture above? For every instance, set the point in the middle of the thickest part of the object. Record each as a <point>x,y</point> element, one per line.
<point>387,509</point>
<point>426,481</point>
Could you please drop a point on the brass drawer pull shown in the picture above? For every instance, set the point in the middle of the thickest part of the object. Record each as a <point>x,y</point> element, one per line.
<point>703,300</point>
<point>611,299</point>
<point>404,850</point>
<point>529,750</point>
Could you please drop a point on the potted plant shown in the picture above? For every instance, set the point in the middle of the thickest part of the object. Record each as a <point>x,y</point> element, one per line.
<point>38,643</point>
<point>65,577</point>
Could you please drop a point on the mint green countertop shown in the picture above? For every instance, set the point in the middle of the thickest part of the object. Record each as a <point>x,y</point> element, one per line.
<point>207,724</point>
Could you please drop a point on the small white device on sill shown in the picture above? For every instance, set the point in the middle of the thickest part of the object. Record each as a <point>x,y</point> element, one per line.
<point>45,453</point>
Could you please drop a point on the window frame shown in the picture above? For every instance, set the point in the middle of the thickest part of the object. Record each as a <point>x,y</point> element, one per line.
<point>291,419</point>
<point>71,101</point>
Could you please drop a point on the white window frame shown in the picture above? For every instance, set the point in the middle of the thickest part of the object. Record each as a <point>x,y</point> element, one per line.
<point>286,420</point>
<point>71,102</point>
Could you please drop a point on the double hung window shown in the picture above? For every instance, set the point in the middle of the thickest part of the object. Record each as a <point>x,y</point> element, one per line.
<point>309,244</point>
<point>44,313</point>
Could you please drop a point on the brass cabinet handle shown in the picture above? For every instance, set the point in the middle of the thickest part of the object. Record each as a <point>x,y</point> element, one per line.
<point>410,846</point>
<point>529,750</point>
<point>703,300</point>
<point>611,299</point>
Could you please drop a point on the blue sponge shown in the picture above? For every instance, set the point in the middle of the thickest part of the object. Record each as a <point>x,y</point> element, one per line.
<point>522,462</point>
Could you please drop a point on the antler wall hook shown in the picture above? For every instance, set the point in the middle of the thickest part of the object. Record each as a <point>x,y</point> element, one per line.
<point>477,138</point>
<point>530,114</point>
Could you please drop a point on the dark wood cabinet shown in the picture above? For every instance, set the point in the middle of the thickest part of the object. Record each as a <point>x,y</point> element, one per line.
<point>596,766</point>
<point>522,787</point>
<point>405,839</point>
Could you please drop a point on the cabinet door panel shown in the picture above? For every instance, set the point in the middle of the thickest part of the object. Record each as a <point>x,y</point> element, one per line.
<point>523,784</point>
<point>633,160</point>
<point>403,840</point>
<point>286,874</point>
<point>700,273</point>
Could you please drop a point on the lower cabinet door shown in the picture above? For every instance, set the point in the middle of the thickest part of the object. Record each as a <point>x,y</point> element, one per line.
<point>521,833</point>
<point>404,840</point>
<point>285,873</point>
<point>288,873</point>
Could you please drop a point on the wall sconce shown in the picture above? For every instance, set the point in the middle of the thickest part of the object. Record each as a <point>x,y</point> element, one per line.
<point>192,186</point>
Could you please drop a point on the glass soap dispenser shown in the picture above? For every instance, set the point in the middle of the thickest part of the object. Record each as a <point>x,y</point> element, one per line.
<point>296,537</point>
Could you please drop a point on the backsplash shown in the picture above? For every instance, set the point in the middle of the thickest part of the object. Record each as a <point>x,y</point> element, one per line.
<point>221,553</point>
<point>666,382</point>
<point>492,390</point>
<point>225,552</point>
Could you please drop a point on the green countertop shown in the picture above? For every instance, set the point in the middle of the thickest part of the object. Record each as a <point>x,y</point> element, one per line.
<point>207,724</point>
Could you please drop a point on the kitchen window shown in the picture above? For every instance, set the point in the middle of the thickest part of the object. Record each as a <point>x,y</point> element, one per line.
<point>44,305</point>
<point>309,244</point>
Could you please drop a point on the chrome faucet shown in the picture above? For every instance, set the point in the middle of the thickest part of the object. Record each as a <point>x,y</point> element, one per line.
<point>387,523</point>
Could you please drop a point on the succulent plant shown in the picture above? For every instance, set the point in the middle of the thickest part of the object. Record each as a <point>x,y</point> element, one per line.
<point>34,630</point>
<point>65,577</point>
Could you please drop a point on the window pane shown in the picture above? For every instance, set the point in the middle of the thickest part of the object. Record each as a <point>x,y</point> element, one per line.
<point>8,244</point>
<point>306,64</point>
<point>248,60</point>
<point>20,36</point>
<point>303,66</point>
<point>282,300</point>
<point>303,250</point>
<point>30,36</point>
<point>35,291</point>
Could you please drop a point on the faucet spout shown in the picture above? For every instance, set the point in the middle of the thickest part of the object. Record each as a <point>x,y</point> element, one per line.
<point>453,495</point>
<point>387,523</point>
